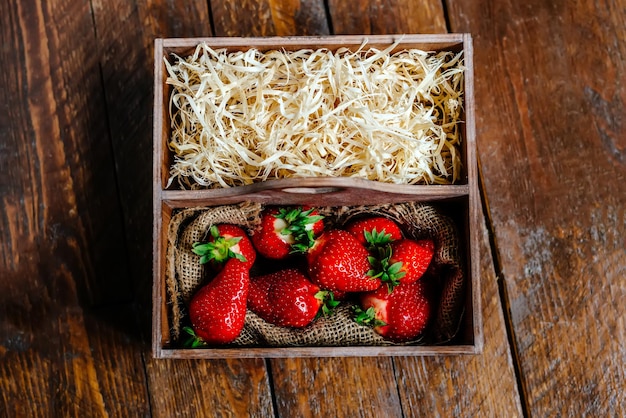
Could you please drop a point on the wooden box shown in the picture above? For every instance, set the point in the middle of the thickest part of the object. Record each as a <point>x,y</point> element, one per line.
<point>460,200</point>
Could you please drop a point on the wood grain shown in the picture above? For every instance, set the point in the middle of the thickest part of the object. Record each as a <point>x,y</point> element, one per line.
<point>269,18</point>
<point>58,168</point>
<point>346,387</point>
<point>229,388</point>
<point>62,239</point>
<point>128,85</point>
<point>118,365</point>
<point>74,366</point>
<point>299,17</point>
<point>552,142</point>
<point>171,18</point>
<point>387,16</point>
<point>244,18</point>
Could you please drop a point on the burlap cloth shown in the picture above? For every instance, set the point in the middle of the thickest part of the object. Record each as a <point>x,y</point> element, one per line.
<point>184,275</point>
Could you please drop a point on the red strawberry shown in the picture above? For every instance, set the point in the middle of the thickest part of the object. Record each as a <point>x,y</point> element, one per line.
<point>375,230</point>
<point>258,296</point>
<point>225,242</point>
<point>400,316</point>
<point>403,261</point>
<point>339,262</point>
<point>295,300</point>
<point>415,257</point>
<point>218,310</point>
<point>287,230</point>
<point>287,298</point>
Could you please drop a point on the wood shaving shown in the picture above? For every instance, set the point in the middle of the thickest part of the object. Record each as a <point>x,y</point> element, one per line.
<point>243,117</point>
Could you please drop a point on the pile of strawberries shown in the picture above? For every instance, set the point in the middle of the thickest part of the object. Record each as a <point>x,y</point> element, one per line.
<point>311,270</point>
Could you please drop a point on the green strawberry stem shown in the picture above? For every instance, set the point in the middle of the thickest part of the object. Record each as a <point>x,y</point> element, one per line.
<point>367,317</point>
<point>193,341</point>
<point>377,239</point>
<point>328,302</point>
<point>297,220</point>
<point>389,273</point>
<point>218,250</point>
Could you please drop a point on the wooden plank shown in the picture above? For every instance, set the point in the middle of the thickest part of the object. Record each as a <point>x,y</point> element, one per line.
<point>126,58</point>
<point>209,388</point>
<point>342,387</point>
<point>58,188</point>
<point>60,230</point>
<point>391,16</point>
<point>126,61</point>
<point>552,141</point>
<point>116,345</point>
<point>57,361</point>
<point>269,17</point>
<point>172,18</point>
<point>299,17</point>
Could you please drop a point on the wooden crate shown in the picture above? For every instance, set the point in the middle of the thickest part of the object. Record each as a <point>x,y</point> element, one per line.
<point>460,200</point>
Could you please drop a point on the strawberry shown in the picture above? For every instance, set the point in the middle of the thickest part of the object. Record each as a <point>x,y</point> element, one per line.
<point>287,298</point>
<point>375,230</point>
<point>258,297</point>
<point>339,262</point>
<point>403,261</point>
<point>294,299</point>
<point>217,311</point>
<point>287,230</point>
<point>226,241</point>
<point>399,316</point>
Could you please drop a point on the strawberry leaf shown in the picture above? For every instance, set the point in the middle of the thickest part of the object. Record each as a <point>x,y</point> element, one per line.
<point>220,249</point>
<point>328,302</point>
<point>297,221</point>
<point>214,231</point>
<point>381,267</point>
<point>374,274</point>
<point>394,270</point>
<point>377,239</point>
<point>199,248</point>
<point>299,248</point>
<point>193,341</point>
<point>367,317</point>
<point>238,256</point>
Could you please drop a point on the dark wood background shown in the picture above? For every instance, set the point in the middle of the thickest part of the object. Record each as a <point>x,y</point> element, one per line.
<point>75,224</point>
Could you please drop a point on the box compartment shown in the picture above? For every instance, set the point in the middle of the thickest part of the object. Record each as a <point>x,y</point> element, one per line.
<point>460,201</point>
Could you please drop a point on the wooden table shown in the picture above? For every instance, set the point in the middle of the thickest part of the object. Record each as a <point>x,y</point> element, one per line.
<point>75,225</point>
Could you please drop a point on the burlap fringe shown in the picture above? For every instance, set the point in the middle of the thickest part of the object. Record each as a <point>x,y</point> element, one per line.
<point>184,275</point>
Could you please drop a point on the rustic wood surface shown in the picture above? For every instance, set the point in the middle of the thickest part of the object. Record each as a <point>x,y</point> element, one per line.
<point>75,230</point>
